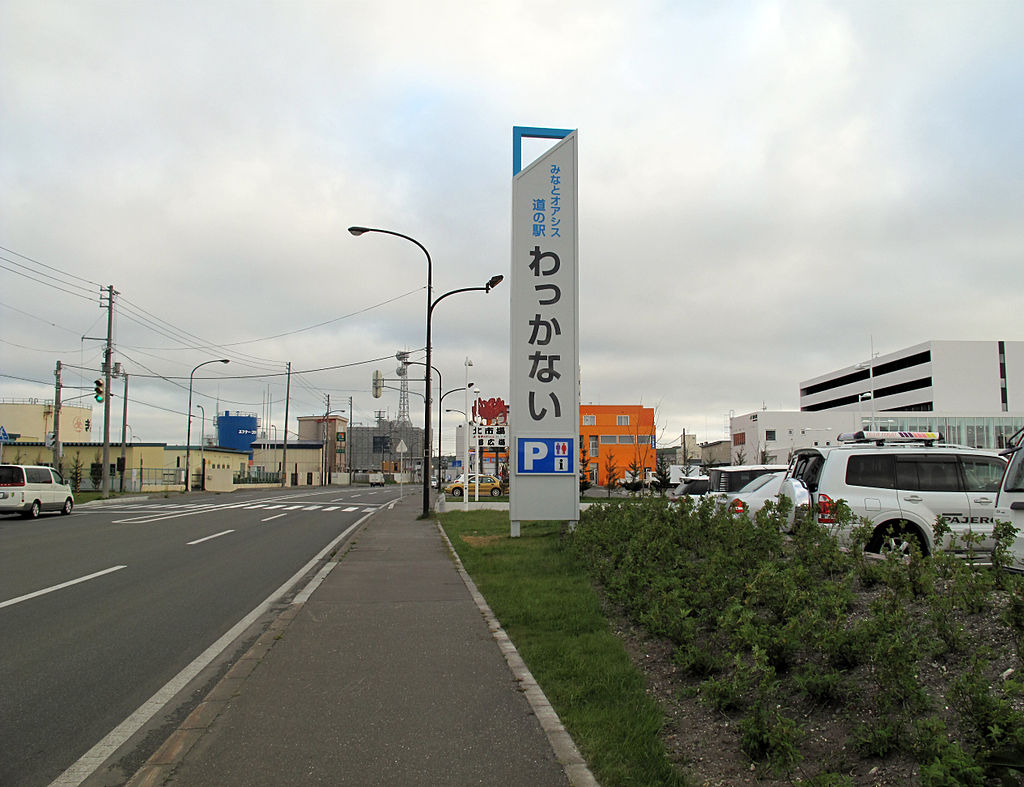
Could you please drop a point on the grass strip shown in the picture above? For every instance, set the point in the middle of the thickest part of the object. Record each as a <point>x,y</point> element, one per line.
<point>541,595</point>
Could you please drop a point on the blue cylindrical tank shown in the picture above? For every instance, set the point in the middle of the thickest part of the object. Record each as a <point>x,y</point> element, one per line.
<point>237,431</point>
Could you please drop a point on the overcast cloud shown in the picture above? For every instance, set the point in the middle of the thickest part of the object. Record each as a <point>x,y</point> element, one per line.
<point>767,189</point>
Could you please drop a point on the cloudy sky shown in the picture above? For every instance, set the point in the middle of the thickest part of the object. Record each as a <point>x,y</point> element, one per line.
<point>767,191</point>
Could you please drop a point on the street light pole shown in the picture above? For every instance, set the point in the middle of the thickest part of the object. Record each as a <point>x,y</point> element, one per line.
<point>357,231</point>
<point>188,432</point>
<point>431,303</point>
<point>453,390</point>
<point>202,446</point>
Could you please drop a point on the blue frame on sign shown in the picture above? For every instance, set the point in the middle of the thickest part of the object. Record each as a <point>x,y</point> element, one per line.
<point>518,132</point>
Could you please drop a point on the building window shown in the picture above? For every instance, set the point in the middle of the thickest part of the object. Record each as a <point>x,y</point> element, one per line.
<point>769,435</point>
<point>622,420</point>
<point>593,445</point>
<point>590,420</point>
<point>608,439</point>
<point>626,439</point>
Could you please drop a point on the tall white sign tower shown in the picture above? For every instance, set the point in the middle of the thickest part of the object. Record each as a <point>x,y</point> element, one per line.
<point>544,388</point>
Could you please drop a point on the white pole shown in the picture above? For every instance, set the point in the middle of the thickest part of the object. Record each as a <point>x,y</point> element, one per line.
<point>465,445</point>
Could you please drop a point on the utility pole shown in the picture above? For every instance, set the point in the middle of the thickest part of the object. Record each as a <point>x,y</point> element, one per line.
<point>56,420</point>
<point>326,462</point>
<point>284,448</point>
<point>124,430</point>
<point>107,359</point>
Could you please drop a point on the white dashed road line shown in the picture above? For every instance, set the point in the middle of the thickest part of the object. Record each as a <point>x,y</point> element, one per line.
<point>207,538</point>
<point>62,585</point>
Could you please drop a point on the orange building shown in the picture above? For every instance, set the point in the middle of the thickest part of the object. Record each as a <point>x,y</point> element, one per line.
<point>618,436</point>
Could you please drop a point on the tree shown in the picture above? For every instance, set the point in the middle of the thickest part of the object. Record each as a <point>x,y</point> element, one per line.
<point>662,475</point>
<point>584,470</point>
<point>96,472</point>
<point>611,473</point>
<point>635,477</point>
<point>76,473</point>
<point>740,457</point>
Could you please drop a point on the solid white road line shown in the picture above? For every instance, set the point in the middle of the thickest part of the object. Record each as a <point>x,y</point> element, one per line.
<point>207,538</point>
<point>62,585</point>
<point>314,583</point>
<point>97,755</point>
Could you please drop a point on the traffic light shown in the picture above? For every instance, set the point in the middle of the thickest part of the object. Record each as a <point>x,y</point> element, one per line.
<point>378,384</point>
<point>98,388</point>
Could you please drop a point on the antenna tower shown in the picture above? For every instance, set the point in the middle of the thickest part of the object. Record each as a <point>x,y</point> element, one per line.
<point>403,392</point>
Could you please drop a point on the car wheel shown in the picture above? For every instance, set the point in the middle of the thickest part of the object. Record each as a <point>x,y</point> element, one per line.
<point>457,491</point>
<point>495,492</point>
<point>33,512</point>
<point>896,538</point>
<point>68,505</point>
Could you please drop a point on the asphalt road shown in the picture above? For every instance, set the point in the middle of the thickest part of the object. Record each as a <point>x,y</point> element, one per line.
<point>100,609</point>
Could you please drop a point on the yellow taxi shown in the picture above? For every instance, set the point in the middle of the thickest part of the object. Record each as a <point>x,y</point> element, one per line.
<point>489,485</point>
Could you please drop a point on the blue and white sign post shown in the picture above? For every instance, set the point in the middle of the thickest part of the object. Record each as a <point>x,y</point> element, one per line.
<point>544,390</point>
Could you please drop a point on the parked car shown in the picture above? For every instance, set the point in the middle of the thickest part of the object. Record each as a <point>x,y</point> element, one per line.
<point>31,489</point>
<point>751,498</point>
<point>690,486</point>
<point>489,485</point>
<point>376,479</point>
<point>901,482</point>
<point>732,478</point>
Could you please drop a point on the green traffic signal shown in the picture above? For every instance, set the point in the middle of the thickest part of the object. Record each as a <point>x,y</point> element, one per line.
<point>98,388</point>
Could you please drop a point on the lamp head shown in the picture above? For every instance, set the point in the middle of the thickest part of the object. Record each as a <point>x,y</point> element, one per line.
<point>225,360</point>
<point>494,282</point>
<point>357,231</point>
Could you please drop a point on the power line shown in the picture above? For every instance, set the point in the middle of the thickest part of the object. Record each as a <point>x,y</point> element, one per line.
<point>49,267</point>
<point>40,281</point>
<point>40,319</point>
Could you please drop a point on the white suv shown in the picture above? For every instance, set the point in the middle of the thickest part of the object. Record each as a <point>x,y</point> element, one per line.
<point>902,482</point>
<point>1010,502</point>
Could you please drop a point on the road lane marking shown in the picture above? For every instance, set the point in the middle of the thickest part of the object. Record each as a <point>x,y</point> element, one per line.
<point>352,508</point>
<point>207,538</point>
<point>331,508</point>
<point>89,762</point>
<point>275,516</point>
<point>61,586</point>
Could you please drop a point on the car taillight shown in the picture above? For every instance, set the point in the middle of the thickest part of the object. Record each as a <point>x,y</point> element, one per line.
<point>737,506</point>
<point>826,510</point>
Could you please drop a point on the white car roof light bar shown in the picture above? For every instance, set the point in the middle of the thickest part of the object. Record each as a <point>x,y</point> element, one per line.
<point>890,437</point>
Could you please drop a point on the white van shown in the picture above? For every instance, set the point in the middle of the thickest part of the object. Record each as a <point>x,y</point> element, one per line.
<point>31,489</point>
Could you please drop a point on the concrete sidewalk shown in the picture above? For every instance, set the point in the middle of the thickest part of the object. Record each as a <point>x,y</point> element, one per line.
<point>388,673</point>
